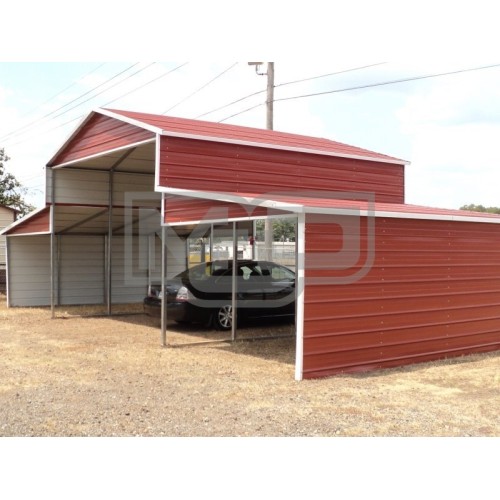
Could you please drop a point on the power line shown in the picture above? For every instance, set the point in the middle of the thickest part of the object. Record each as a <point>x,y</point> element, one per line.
<point>121,96</point>
<point>244,111</point>
<point>201,88</point>
<point>105,90</point>
<point>90,98</point>
<point>360,87</point>
<point>30,125</point>
<point>64,90</point>
<point>231,103</point>
<point>329,74</point>
<point>146,84</point>
<point>390,82</point>
<point>282,85</point>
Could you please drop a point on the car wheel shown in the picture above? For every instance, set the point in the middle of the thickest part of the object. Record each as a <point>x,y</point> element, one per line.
<point>223,317</point>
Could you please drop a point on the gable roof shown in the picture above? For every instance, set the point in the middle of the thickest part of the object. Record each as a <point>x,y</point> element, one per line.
<point>215,132</point>
<point>221,132</point>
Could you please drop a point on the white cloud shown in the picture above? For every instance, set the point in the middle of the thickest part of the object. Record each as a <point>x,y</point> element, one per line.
<point>453,128</point>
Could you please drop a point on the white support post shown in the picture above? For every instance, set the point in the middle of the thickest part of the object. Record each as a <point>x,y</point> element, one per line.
<point>299,299</point>
<point>163,287</point>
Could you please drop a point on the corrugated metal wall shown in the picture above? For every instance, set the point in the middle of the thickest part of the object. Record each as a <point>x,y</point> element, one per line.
<point>98,135</point>
<point>212,166</point>
<point>82,268</point>
<point>183,209</point>
<point>29,270</point>
<point>432,291</point>
<point>84,187</point>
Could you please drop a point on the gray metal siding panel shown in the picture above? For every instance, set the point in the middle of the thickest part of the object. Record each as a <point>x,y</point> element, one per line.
<point>29,271</point>
<point>130,265</point>
<point>81,268</point>
<point>129,269</point>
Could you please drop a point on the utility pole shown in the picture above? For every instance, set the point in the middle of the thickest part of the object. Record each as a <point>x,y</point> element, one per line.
<point>268,225</point>
<point>270,95</point>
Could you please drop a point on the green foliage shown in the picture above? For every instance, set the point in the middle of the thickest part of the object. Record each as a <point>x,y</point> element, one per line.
<point>283,229</point>
<point>12,192</point>
<point>481,208</point>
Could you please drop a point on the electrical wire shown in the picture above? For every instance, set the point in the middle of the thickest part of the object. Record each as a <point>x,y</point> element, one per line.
<point>123,95</point>
<point>370,85</point>
<point>231,103</point>
<point>201,88</point>
<point>47,115</point>
<point>64,90</point>
<point>90,98</point>
<point>329,74</point>
<point>287,83</point>
<point>105,90</point>
<point>145,85</point>
<point>390,82</point>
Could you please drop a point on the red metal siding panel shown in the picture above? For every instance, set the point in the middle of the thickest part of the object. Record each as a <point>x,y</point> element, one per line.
<point>98,135</point>
<point>432,291</point>
<point>183,210</point>
<point>39,223</point>
<point>229,168</point>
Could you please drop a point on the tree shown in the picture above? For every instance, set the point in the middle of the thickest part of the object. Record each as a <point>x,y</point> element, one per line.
<point>283,229</point>
<point>12,192</point>
<point>480,208</point>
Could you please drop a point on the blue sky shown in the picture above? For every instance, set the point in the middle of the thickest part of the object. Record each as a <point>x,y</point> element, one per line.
<point>446,126</point>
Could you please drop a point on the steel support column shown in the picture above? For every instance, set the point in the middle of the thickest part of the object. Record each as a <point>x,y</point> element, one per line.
<point>234,283</point>
<point>163,286</point>
<point>52,245</point>
<point>110,243</point>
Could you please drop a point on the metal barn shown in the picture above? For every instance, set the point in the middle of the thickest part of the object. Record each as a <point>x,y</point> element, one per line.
<point>379,283</point>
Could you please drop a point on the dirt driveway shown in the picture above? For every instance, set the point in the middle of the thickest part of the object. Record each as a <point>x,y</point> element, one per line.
<point>75,376</point>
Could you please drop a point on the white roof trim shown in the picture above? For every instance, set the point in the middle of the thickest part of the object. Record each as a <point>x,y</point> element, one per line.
<point>20,235</point>
<point>130,121</point>
<point>98,155</point>
<point>227,219</point>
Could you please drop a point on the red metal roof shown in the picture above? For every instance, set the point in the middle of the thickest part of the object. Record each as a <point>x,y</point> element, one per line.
<point>184,127</point>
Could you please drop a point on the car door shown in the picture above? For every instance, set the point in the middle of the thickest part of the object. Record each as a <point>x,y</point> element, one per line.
<point>278,289</point>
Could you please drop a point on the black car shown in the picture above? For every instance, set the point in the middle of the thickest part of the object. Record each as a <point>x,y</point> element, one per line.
<point>203,293</point>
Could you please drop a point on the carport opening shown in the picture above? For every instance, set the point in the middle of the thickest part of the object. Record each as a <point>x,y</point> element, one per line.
<point>239,283</point>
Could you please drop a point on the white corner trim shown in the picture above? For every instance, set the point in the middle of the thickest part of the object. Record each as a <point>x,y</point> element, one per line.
<point>299,299</point>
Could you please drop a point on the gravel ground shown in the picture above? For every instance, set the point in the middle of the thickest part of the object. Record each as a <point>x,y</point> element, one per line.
<point>100,376</point>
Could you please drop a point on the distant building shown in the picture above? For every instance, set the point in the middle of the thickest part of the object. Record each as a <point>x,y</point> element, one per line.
<point>7,217</point>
